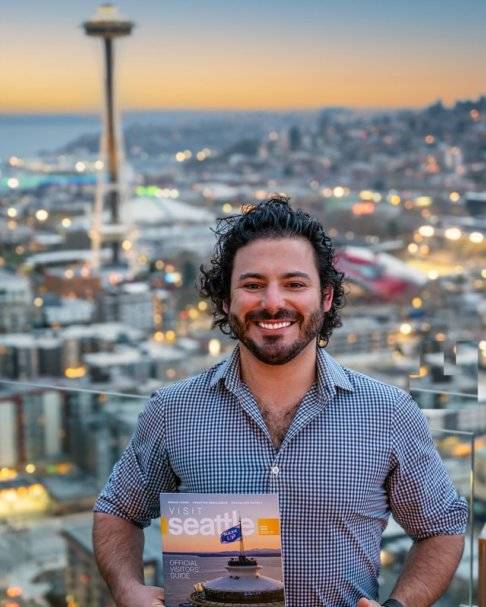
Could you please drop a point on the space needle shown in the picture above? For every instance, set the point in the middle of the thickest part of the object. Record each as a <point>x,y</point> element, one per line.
<point>108,24</point>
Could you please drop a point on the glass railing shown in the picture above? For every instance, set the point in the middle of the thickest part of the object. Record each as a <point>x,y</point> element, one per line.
<point>482,568</point>
<point>458,420</point>
<point>457,452</point>
<point>57,447</point>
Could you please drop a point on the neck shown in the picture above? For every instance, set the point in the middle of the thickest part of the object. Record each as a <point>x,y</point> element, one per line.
<point>279,383</point>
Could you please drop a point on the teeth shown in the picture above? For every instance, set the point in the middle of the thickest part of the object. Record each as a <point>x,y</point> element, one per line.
<point>274,325</point>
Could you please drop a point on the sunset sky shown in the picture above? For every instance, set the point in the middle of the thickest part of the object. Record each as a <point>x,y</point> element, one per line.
<point>256,54</point>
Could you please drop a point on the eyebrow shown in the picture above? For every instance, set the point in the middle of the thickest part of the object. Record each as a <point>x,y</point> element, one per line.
<point>285,276</point>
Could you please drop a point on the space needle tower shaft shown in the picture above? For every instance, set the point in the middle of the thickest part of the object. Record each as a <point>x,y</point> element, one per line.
<point>107,24</point>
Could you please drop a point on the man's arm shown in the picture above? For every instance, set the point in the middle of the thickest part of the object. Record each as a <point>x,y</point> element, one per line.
<point>118,546</point>
<point>427,572</point>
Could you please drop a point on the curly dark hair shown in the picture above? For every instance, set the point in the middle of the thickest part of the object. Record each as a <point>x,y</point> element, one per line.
<point>274,218</point>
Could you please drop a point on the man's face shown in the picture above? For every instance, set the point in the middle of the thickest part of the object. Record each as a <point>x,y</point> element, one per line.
<point>277,306</point>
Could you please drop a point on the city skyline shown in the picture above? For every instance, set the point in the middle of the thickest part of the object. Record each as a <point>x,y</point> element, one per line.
<point>225,55</point>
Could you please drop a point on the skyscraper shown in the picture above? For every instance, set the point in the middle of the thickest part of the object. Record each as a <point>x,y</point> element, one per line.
<point>108,24</point>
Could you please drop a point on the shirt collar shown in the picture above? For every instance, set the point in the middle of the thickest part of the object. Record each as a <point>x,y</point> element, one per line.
<point>229,371</point>
<point>330,374</point>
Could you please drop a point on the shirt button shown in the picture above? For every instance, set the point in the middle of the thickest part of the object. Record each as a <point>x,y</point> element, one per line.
<point>275,470</point>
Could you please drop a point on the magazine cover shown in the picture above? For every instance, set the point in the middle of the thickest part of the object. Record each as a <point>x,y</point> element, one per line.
<point>219,549</point>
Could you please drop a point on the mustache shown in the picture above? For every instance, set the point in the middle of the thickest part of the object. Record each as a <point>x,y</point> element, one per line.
<point>262,315</point>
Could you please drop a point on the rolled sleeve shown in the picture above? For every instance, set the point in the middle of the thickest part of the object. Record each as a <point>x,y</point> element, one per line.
<point>142,472</point>
<point>422,498</point>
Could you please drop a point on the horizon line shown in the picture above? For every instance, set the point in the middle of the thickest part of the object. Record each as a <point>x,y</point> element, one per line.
<point>276,110</point>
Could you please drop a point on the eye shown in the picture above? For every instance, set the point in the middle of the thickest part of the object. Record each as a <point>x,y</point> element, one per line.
<point>296,285</point>
<point>252,286</point>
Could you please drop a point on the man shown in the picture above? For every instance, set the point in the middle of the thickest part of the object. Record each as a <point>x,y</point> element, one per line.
<point>342,450</point>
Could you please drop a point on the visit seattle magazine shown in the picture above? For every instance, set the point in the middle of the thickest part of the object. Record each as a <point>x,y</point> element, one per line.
<point>221,548</point>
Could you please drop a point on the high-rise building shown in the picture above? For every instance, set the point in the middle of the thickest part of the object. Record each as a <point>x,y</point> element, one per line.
<point>108,24</point>
<point>132,304</point>
<point>15,303</point>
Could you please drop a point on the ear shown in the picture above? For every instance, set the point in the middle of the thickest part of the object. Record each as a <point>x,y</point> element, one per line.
<point>327,297</point>
<point>225,307</point>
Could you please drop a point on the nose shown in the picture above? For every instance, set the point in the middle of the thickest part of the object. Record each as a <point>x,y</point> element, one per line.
<point>273,299</point>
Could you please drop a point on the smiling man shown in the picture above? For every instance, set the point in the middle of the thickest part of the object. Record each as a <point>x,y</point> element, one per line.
<point>341,450</point>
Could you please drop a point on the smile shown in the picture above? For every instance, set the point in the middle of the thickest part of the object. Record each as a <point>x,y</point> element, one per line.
<point>274,325</point>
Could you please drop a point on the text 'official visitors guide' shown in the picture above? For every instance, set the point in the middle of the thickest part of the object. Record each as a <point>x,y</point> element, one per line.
<point>220,548</point>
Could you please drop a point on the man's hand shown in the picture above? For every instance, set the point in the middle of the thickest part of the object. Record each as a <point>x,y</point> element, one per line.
<point>119,548</point>
<point>140,595</point>
<point>367,603</point>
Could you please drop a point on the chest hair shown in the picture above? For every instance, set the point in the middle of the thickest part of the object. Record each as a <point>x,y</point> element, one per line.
<point>278,421</point>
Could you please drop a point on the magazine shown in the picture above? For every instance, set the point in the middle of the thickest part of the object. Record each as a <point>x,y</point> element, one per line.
<point>221,548</point>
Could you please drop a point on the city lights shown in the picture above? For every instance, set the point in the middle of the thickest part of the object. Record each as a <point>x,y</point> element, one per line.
<point>15,161</point>
<point>476,237</point>
<point>426,231</point>
<point>75,372</point>
<point>7,474</point>
<point>13,183</point>
<point>338,191</point>
<point>406,328</point>
<point>11,212</point>
<point>454,196</point>
<point>66,222</point>
<point>366,195</point>
<point>41,215</point>
<point>422,372</point>
<point>214,347</point>
<point>453,233</point>
<point>80,167</point>
<point>14,591</point>
<point>423,201</point>
<point>184,155</point>
<point>363,208</point>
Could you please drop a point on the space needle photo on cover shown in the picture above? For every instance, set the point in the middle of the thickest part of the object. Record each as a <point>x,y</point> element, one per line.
<point>244,585</point>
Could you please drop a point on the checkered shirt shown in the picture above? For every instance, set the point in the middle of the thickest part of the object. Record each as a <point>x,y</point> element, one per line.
<point>357,449</point>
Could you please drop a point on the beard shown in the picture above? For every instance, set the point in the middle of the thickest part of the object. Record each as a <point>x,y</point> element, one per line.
<point>273,350</point>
